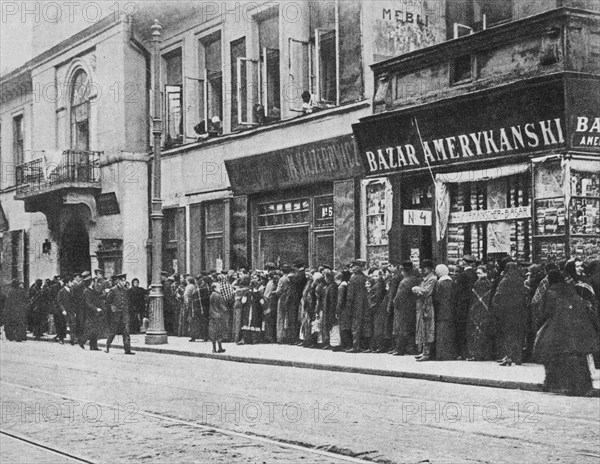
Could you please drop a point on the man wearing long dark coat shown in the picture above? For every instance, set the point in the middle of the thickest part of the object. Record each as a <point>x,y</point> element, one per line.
<point>117,306</point>
<point>464,287</point>
<point>405,311</point>
<point>91,316</point>
<point>357,303</point>
<point>15,313</point>
<point>284,291</point>
<point>67,307</point>
<point>297,283</point>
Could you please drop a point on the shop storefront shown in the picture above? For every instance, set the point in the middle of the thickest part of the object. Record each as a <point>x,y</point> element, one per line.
<point>300,203</point>
<point>509,172</point>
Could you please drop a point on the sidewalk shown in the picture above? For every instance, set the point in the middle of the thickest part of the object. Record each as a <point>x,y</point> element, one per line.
<point>488,373</point>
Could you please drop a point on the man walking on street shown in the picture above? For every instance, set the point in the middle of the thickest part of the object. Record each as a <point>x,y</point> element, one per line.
<point>117,304</point>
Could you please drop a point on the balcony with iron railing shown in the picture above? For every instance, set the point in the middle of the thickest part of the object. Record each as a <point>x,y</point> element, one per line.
<point>57,171</point>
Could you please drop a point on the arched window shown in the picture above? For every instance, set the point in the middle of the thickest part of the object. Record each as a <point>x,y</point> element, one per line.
<point>80,112</point>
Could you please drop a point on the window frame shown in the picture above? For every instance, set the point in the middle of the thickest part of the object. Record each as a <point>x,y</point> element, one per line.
<point>74,124</point>
<point>181,133</point>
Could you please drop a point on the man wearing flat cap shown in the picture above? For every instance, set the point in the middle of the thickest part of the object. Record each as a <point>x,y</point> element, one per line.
<point>464,289</point>
<point>356,302</point>
<point>117,304</point>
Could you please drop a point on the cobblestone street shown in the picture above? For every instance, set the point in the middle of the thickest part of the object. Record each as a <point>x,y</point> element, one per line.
<point>113,408</point>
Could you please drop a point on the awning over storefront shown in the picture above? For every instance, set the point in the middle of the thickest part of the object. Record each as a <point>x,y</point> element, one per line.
<point>4,226</point>
<point>486,126</point>
<point>323,161</point>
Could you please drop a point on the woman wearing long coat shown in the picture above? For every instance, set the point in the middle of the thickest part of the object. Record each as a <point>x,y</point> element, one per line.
<point>444,309</point>
<point>240,306</point>
<point>510,309</point>
<point>329,310</point>
<point>15,313</point>
<point>425,335</point>
<point>480,323</point>
<point>341,313</point>
<point>252,313</point>
<point>568,332</point>
<point>218,325</point>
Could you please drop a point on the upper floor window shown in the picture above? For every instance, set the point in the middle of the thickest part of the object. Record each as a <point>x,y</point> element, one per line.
<point>467,16</point>
<point>210,86</point>
<point>80,111</point>
<point>173,98</point>
<point>18,142</point>
<point>259,86</point>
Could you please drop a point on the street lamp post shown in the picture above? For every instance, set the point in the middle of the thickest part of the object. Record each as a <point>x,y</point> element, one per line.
<point>156,334</point>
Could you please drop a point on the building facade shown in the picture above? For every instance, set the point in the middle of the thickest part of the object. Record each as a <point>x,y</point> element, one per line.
<point>489,140</point>
<point>74,161</point>
<point>313,131</point>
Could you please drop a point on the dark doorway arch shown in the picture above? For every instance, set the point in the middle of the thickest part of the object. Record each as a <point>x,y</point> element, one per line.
<point>74,248</point>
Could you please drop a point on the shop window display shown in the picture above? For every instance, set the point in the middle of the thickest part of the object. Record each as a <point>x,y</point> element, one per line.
<point>377,231</point>
<point>584,214</point>
<point>488,238</point>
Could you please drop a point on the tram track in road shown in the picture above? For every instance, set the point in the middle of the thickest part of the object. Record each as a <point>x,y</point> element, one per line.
<point>205,428</point>
<point>44,447</point>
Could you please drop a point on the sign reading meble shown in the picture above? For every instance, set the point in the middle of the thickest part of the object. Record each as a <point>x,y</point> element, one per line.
<point>481,128</point>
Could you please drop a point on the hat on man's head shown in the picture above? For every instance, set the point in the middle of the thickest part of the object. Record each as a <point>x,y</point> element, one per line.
<point>358,262</point>
<point>299,263</point>
<point>76,274</point>
<point>407,265</point>
<point>85,274</point>
<point>57,277</point>
<point>469,259</point>
<point>428,264</point>
<point>121,276</point>
<point>99,271</point>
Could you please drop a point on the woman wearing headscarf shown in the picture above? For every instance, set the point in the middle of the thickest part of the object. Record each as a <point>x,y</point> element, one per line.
<point>480,323</point>
<point>341,312</point>
<point>510,308</point>
<point>15,313</point>
<point>443,304</point>
<point>574,274</point>
<point>218,321</point>
<point>425,333</point>
<point>305,315</point>
<point>329,317</point>
<point>568,332</point>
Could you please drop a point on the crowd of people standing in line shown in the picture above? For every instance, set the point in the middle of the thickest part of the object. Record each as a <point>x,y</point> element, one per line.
<point>544,313</point>
<point>86,307</point>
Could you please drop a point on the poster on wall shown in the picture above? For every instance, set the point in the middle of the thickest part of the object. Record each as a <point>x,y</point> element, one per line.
<point>498,237</point>
<point>415,257</point>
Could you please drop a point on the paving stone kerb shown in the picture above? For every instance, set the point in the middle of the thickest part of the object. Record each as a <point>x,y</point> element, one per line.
<point>528,377</point>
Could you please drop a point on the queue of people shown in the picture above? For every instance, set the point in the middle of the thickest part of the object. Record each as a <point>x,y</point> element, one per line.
<point>85,307</point>
<point>475,312</point>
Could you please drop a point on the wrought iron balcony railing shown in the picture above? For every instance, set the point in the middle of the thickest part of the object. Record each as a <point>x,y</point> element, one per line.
<point>71,168</point>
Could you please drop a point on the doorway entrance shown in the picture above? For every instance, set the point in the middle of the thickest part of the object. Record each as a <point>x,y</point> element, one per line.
<point>74,248</point>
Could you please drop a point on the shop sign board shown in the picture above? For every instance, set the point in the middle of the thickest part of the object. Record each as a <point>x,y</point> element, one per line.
<point>482,127</point>
<point>417,217</point>
<point>490,215</point>
<point>326,160</point>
